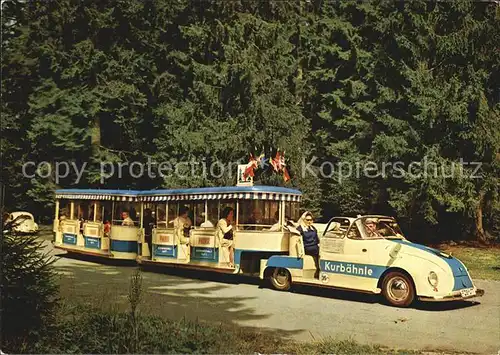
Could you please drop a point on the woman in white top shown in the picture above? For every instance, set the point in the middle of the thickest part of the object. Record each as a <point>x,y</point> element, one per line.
<point>182,225</point>
<point>223,232</point>
<point>126,220</point>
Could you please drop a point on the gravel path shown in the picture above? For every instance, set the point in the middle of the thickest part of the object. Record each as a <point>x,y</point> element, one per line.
<point>304,314</point>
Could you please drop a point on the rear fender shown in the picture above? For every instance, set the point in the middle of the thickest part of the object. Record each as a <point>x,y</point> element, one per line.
<point>291,263</point>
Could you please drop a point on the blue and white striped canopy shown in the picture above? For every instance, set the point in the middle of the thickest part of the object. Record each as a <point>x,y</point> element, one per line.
<point>100,195</point>
<point>204,193</point>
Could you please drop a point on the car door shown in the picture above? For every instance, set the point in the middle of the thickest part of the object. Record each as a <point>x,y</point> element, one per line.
<point>331,250</point>
<point>350,266</point>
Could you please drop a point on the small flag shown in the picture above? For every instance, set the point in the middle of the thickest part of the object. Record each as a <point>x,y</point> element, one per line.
<point>279,165</point>
<point>276,162</point>
<point>286,175</point>
<point>251,166</point>
<point>262,161</point>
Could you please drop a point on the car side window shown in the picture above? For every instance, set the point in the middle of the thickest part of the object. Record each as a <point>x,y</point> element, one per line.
<point>336,228</point>
<point>354,232</point>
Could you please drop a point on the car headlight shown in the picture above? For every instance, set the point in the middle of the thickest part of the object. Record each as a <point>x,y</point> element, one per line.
<point>433,279</point>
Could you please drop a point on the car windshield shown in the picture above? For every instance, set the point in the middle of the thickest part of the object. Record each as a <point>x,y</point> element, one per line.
<point>380,227</point>
<point>390,229</point>
<point>23,215</point>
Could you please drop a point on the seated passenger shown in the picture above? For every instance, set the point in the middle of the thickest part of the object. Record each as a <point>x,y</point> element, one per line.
<point>254,220</point>
<point>310,238</point>
<point>224,232</point>
<point>107,228</point>
<point>371,228</point>
<point>126,220</point>
<point>62,218</point>
<point>182,225</point>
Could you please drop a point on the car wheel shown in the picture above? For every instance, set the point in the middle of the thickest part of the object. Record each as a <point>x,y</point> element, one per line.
<point>281,279</point>
<point>398,289</point>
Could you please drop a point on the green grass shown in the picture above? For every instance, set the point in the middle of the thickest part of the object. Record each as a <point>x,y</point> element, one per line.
<point>101,324</point>
<point>83,329</point>
<point>482,263</point>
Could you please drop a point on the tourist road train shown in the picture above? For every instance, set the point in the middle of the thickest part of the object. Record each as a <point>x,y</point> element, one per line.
<point>141,226</point>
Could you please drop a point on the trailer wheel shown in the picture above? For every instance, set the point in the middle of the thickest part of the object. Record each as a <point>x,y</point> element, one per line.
<point>398,289</point>
<point>281,279</point>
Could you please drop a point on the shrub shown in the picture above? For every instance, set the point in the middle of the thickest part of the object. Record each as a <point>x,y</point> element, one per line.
<point>28,290</point>
<point>86,329</point>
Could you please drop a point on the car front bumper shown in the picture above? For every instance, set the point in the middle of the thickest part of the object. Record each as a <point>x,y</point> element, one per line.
<point>454,296</point>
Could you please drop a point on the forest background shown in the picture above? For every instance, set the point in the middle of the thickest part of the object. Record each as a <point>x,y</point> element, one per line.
<point>341,82</point>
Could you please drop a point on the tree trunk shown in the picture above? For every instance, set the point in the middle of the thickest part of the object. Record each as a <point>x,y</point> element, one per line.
<point>95,136</point>
<point>95,146</point>
<point>480,233</point>
<point>298,77</point>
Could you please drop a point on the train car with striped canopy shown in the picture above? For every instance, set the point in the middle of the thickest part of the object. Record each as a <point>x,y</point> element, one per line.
<point>181,226</point>
<point>104,223</point>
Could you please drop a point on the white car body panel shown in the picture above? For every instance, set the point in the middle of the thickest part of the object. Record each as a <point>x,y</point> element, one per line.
<point>361,264</point>
<point>24,222</point>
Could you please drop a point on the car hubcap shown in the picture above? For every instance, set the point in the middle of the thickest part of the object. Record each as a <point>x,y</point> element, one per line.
<point>280,276</point>
<point>398,289</point>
